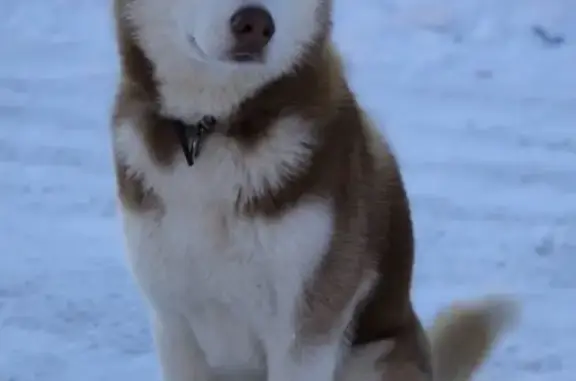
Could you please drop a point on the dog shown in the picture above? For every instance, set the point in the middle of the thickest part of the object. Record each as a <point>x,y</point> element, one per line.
<point>265,216</point>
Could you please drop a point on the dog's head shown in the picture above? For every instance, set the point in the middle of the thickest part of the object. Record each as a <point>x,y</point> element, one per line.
<point>270,34</point>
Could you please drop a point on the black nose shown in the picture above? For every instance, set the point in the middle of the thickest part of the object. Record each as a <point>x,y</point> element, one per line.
<point>252,28</point>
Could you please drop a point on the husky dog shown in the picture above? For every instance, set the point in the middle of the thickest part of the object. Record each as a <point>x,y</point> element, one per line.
<point>266,219</point>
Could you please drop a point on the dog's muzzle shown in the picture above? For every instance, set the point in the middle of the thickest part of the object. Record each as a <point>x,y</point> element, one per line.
<point>252,29</point>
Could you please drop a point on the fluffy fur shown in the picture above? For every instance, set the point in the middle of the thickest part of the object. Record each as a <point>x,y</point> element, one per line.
<point>285,253</point>
<point>196,71</point>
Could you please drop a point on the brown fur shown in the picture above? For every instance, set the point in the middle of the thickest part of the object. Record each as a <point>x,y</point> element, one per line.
<point>463,335</point>
<point>373,227</point>
<point>461,338</point>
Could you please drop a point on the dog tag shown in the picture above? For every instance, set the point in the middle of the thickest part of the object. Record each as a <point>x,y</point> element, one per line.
<point>191,137</point>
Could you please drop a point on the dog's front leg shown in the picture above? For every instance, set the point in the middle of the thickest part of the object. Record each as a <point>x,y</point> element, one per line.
<point>181,358</point>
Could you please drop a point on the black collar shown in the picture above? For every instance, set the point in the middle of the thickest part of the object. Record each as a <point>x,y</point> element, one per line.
<point>191,136</point>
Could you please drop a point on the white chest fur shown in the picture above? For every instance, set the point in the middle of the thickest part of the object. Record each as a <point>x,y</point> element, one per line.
<point>236,279</point>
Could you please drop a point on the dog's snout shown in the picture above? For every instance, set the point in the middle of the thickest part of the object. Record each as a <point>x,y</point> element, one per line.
<point>252,28</point>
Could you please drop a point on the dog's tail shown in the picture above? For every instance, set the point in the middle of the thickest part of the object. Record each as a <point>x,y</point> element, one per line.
<point>463,335</point>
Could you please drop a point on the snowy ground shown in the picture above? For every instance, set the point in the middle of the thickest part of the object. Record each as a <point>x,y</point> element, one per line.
<point>480,108</point>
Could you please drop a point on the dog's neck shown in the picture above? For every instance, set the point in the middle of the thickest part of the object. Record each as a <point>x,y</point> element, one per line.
<point>306,91</point>
<point>191,136</point>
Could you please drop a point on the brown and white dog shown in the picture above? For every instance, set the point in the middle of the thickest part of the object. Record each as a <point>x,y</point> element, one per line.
<point>285,251</point>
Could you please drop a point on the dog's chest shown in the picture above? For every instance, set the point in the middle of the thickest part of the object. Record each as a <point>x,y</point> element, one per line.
<point>199,257</point>
<point>200,249</point>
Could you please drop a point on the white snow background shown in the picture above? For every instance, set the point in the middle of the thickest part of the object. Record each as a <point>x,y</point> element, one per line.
<point>477,96</point>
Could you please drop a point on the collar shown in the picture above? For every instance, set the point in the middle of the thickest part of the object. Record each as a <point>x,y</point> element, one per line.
<point>192,136</point>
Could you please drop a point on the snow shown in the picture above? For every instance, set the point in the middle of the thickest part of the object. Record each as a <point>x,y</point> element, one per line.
<point>479,107</point>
